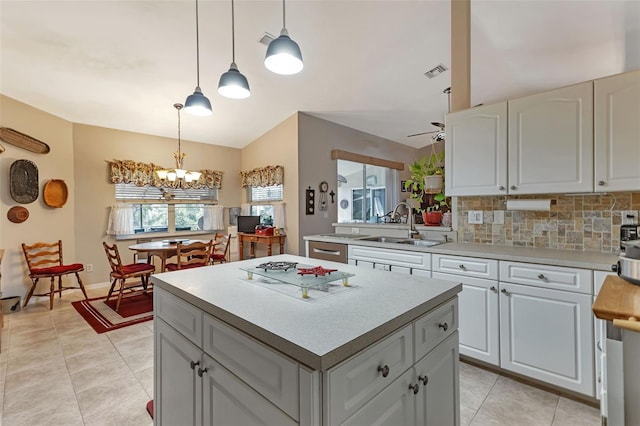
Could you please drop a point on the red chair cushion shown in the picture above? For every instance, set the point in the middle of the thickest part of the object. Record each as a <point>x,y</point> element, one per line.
<point>138,267</point>
<point>58,270</point>
<point>174,267</point>
<point>217,256</point>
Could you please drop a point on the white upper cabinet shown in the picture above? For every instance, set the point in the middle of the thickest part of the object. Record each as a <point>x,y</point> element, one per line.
<point>476,151</point>
<point>617,132</point>
<point>551,141</point>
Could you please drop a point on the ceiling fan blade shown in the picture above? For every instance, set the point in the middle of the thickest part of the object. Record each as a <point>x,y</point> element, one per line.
<point>438,124</point>
<point>423,133</point>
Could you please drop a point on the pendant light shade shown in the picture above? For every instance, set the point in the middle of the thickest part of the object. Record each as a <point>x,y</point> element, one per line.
<point>232,83</point>
<point>283,54</point>
<point>197,103</point>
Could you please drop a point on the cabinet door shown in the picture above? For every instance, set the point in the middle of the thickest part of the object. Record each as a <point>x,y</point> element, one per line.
<point>477,317</point>
<point>476,151</point>
<point>551,141</point>
<point>393,406</point>
<point>178,396</point>
<point>229,401</point>
<point>617,132</point>
<point>547,335</point>
<point>438,376</point>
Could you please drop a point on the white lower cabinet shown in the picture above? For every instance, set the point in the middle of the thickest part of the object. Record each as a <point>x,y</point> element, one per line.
<point>402,261</point>
<point>547,335</point>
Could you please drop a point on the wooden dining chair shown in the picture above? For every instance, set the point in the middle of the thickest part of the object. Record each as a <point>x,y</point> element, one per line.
<point>122,275</point>
<point>44,260</point>
<point>220,253</point>
<point>192,255</point>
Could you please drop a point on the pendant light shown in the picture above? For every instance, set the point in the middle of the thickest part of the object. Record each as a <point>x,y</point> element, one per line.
<point>283,54</point>
<point>197,103</point>
<point>233,84</point>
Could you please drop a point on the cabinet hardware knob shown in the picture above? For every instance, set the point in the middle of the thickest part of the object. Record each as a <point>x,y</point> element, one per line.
<point>443,325</point>
<point>415,388</point>
<point>461,266</point>
<point>501,188</point>
<point>542,277</point>
<point>493,288</point>
<point>513,187</point>
<point>504,290</point>
<point>424,380</point>
<point>601,183</point>
<point>384,370</point>
<point>202,370</point>
<point>194,363</point>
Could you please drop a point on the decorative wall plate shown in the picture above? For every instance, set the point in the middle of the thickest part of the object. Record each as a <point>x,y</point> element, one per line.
<point>23,181</point>
<point>55,193</point>
<point>18,214</point>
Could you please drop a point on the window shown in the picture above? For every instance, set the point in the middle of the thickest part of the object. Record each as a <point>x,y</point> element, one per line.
<point>260,198</point>
<point>365,192</point>
<point>159,210</point>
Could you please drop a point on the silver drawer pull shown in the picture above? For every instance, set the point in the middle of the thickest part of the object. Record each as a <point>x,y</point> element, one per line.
<point>202,370</point>
<point>193,364</point>
<point>443,325</point>
<point>493,288</point>
<point>461,266</point>
<point>601,183</point>
<point>504,290</point>
<point>501,188</point>
<point>415,388</point>
<point>542,277</point>
<point>424,380</point>
<point>323,251</point>
<point>513,187</point>
<point>384,370</point>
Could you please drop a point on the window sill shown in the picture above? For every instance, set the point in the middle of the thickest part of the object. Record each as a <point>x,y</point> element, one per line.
<point>163,235</point>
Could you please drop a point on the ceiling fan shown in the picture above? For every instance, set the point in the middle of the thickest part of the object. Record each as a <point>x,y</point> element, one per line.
<point>439,134</point>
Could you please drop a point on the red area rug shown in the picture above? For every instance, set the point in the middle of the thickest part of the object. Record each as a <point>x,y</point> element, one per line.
<point>103,317</point>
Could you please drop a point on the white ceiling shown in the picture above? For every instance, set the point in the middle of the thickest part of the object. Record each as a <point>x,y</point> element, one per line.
<point>123,64</point>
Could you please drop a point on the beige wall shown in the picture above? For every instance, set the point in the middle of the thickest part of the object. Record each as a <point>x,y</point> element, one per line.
<point>94,145</point>
<point>45,223</point>
<point>317,137</point>
<point>279,147</point>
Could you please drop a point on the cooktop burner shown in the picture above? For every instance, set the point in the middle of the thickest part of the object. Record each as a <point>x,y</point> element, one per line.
<point>277,266</point>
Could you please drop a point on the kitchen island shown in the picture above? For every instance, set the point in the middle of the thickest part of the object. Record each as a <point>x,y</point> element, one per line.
<point>234,350</point>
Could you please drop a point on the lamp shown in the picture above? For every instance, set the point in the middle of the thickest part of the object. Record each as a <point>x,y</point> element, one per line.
<point>232,83</point>
<point>179,173</point>
<point>283,54</point>
<point>197,103</point>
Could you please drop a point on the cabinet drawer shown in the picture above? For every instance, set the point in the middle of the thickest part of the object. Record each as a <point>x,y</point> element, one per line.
<point>328,251</point>
<point>184,317</point>
<point>354,382</point>
<point>409,259</point>
<point>268,372</point>
<point>554,277</point>
<point>434,327</point>
<point>466,266</point>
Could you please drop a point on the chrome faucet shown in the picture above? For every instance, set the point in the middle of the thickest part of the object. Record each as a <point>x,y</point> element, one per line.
<point>412,228</point>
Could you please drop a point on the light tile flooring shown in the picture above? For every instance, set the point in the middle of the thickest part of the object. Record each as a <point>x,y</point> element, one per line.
<point>55,370</point>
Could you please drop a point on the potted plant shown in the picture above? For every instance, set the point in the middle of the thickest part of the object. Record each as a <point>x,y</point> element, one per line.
<point>433,213</point>
<point>427,177</point>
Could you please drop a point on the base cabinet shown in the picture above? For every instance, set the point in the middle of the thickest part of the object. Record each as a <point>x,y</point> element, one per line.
<point>555,347</point>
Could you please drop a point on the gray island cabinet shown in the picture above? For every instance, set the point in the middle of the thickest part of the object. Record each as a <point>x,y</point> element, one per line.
<point>231,350</point>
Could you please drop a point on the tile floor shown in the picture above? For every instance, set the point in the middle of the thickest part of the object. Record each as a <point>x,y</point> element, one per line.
<point>55,370</point>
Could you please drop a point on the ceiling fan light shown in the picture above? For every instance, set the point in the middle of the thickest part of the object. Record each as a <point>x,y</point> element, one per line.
<point>233,84</point>
<point>198,104</point>
<point>284,55</point>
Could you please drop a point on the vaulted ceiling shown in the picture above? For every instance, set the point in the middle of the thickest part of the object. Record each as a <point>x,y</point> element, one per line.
<point>123,64</point>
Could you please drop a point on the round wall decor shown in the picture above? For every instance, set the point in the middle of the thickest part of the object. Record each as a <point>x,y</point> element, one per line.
<point>55,193</point>
<point>344,204</point>
<point>18,214</point>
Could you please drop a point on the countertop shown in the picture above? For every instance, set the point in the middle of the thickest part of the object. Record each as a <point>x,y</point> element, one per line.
<point>574,259</point>
<point>319,333</point>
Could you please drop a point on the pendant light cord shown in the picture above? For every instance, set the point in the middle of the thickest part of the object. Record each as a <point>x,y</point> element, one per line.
<point>233,34</point>
<point>284,21</point>
<point>179,159</point>
<point>197,52</point>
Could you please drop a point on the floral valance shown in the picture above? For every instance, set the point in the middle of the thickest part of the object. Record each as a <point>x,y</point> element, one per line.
<point>263,176</point>
<point>127,171</point>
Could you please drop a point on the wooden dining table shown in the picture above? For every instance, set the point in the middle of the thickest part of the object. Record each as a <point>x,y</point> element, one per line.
<point>162,249</point>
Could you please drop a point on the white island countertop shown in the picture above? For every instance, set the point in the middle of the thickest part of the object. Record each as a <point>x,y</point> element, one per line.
<point>318,333</point>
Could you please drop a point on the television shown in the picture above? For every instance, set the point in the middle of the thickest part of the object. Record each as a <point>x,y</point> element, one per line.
<point>247,224</point>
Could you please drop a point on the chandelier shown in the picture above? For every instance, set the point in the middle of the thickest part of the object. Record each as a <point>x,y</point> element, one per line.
<point>179,173</point>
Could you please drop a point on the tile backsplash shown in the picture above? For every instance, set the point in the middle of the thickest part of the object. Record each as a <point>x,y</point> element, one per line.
<point>589,222</point>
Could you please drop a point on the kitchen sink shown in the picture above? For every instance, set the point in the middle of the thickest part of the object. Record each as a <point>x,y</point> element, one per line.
<point>407,241</point>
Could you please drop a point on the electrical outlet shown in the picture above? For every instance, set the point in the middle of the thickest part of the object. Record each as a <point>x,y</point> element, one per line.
<point>629,217</point>
<point>475,217</point>
<point>89,267</point>
<point>498,217</point>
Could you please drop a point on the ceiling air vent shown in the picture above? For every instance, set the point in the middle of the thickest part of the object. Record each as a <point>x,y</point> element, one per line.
<point>439,69</point>
<point>266,38</point>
